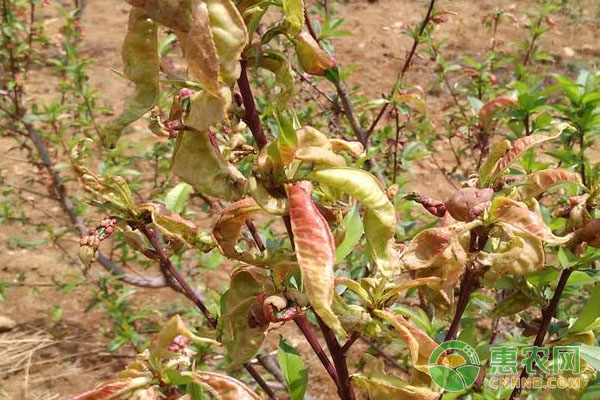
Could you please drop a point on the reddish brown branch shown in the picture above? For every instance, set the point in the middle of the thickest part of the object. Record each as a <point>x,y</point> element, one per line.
<point>251,117</point>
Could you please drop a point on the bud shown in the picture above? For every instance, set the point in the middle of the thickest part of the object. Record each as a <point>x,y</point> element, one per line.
<point>313,59</point>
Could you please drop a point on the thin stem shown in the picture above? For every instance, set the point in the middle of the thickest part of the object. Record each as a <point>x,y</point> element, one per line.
<point>310,336</point>
<point>547,315</point>
<point>406,65</point>
<point>255,235</point>
<point>339,359</point>
<point>351,340</point>
<point>396,147</point>
<point>191,294</point>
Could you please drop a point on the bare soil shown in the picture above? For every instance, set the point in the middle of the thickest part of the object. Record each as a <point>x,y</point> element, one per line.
<point>77,357</point>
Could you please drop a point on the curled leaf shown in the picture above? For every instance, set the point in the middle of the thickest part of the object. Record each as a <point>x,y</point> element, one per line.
<point>271,204</point>
<point>468,203</point>
<point>223,387</point>
<point>113,191</point>
<point>589,234</point>
<point>294,16</point>
<point>175,14</point>
<point>439,252</point>
<point>540,181</point>
<point>489,109</point>
<point>119,388</point>
<point>315,251</point>
<point>161,348</point>
<point>207,110</point>
<point>498,151</point>
<point>240,339</point>
<point>520,146</point>
<point>418,342</point>
<point>380,216</point>
<point>313,59</point>
<point>519,216</point>
<point>517,253</point>
<point>197,162</point>
<point>277,63</point>
<point>141,65</point>
<point>229,224</point>
<point>352,147</point>
<point>381,386</point>
<point>230,37</point>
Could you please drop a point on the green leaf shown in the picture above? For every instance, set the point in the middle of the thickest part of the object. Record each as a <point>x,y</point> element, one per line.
<point>293,369</point>
<point>591,355</point>
<point>178,197</point>
<point>589,313</point>
<point>354,230</point>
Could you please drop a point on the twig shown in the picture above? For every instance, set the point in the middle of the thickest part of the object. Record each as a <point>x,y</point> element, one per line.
<point>310,336</point>
<point>191,294</point>
<point>351,340</point>
<point>251,117</point>
<point>339,359</point>
<point>547,315</point>
<point>406,65</point>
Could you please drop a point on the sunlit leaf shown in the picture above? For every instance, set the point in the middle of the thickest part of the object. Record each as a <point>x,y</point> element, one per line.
<point>540,181</point>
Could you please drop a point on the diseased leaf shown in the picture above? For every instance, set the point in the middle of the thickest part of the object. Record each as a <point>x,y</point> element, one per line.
<point>113,190</point>
<point>354,230</point>
<point>177,197</point>
<point>276,62</point>
<point>175,14</point>
<point>381,386</point>
<point>517,253</point>
<point>315,251</point>
<point>589,234</point>
<point>141,65</point>
<point>294,16</point>
<point>519,216</point>
<point>200,51</point>
<point>120,388</point>
<point>207,110</point>
<point>380,216</point>
<point>418,342</point>
<point>498,151</point>
<point>294,371</point>
<point>313,59</point>
<point>240,339</point>
<point>160,346</point>
<point>223,387</point>
<point>230,37</point>
<point>197,162</point>
<point>468,203</point>
<point>489,109</point>
<point>229,224</point>
<point>520,146</point>
<point>287,140</point>
<point>355,148</point>
<point>439,253</point>
<point>540,181</point>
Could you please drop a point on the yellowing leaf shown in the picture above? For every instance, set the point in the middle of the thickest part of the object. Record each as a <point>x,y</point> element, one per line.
<point>175,14</point>
<point>276,62</point>
<point>241,341</point>
<point>517,253</point>
<point>315,251</point>
<point>381,386</point>
<point>352,147</point>
<point>207,110</point>
<point>498,151</point>
<point>489,109</point>
<point>223,387</point>
<point>230,37</point>
<point>294,16</point>
<point>540,181</point>
<point>197,162</point>
<point>380,216</point>
<point>313,59</point>
<point>229,224</point>
<point>141,65</point>
<point>520,146</point>
<point>119,388</point>
<point>113,190</point>
<point>518,216</point>
<point>159,346</point>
